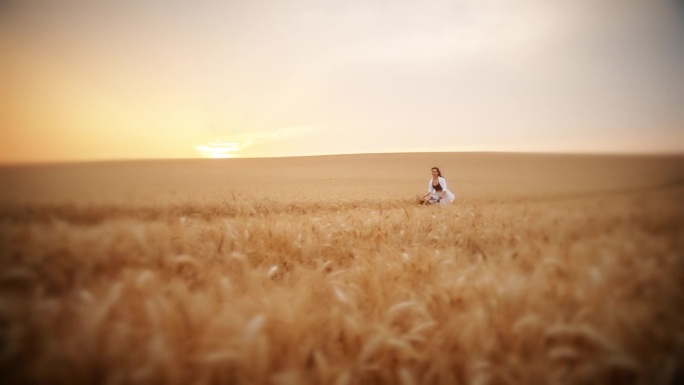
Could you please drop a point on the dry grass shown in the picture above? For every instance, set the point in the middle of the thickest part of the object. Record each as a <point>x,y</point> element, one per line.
<point>548,270</point>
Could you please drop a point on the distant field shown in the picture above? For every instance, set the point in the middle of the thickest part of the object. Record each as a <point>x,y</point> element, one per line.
<point>548,269</point>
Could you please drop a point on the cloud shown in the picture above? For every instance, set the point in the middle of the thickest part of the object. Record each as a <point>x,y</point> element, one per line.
<point>218,150</point>
<point>240,142</point>
<point>283,133</point>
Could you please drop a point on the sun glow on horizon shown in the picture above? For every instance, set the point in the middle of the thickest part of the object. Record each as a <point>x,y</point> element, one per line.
<point>218,150</point>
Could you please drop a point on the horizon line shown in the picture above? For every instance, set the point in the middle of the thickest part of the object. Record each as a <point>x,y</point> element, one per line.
<point>521,152</point>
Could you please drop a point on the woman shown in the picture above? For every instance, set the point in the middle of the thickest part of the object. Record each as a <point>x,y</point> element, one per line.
<point>437,190</point>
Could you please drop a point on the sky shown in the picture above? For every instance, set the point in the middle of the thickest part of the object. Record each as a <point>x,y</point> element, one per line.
<point>96,80</point>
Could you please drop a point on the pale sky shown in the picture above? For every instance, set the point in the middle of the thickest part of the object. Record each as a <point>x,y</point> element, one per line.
<point>85,80</point>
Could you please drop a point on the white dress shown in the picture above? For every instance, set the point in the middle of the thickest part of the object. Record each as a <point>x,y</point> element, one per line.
<point>434,194</point>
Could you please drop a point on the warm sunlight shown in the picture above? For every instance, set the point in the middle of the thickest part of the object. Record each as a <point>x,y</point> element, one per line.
<point>218,150</point>
<point>312,77</point>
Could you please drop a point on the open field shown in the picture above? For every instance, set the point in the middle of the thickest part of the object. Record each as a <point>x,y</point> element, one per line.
<point>548,269</point>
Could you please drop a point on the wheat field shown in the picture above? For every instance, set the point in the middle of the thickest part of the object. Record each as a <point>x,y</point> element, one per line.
<point>547,269</point>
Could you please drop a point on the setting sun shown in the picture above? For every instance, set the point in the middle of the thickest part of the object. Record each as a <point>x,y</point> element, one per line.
<point>218,150</point>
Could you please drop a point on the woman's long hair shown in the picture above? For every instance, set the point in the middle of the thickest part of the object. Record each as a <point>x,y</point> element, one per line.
<point>438,172</point>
